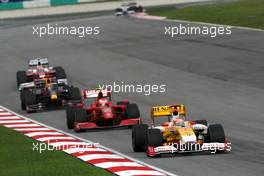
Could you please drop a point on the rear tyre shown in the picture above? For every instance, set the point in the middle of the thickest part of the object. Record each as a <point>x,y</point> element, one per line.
<point>70,117</point>
<point>133,8</point>
<point>21,78</point>
<point>60,73</point>
<point>118,10</point>
<point>216,133</point>
<point>139,137</point>
<point>132,111</point>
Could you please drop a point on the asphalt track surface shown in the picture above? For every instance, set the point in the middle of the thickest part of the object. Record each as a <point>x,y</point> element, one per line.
<point>219,79</point>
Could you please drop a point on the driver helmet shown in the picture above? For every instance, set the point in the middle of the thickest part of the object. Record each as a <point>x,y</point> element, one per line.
<point>40,68</point>
<point>48,82</point>
<point>175,114</point>
<point>177,119</point>
<point>102,101</point>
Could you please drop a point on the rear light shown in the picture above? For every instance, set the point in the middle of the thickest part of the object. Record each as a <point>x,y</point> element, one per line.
<point>79,105</point>
<point>108,92</point>
<point>126,101</point>
<point>151,151</point>
<point>193,123</point>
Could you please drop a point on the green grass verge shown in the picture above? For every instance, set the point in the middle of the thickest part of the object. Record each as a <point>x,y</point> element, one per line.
<point>247,13</point>
<point>18,158</point>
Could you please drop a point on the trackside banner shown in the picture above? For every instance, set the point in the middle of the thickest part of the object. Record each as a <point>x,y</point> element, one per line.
<point>12,5</point>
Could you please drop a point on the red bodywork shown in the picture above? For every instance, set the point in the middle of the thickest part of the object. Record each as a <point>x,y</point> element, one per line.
<point>102,113</point>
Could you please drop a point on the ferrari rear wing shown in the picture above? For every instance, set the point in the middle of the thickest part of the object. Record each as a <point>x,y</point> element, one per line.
<point>95,93</point>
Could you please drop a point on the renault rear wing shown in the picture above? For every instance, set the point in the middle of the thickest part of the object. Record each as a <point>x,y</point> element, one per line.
<point>167,110</point>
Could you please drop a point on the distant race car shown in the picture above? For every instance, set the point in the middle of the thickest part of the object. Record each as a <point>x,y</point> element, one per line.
<point>176,134</point>
<point>47,93</point>
<point>101,112</point>
<point>39,69</point>
<point>129,8</point>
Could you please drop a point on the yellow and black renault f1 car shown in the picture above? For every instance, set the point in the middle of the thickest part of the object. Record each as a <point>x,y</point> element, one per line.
<point>176,134</point>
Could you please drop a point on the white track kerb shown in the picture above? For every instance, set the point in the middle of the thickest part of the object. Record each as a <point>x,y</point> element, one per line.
<point>99,156</point>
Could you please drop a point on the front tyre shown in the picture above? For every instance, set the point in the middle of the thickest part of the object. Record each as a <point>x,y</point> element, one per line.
<point>139,137</point>
<point>70,117</point>
<point>216,133</point>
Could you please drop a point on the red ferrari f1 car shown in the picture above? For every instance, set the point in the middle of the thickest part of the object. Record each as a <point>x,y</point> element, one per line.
<point>102,112</point>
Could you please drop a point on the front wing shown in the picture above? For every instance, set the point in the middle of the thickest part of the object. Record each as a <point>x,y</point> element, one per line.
<point>189,147</point>
<point>92,125</point>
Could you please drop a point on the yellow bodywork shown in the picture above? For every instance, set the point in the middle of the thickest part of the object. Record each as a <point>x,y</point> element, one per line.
<point>175,134</point>
<point>54,97</point>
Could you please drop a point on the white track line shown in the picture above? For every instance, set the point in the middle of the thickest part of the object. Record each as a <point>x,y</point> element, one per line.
<point>5,113</point>
<point>54,138</point>
<point>57,144</point>
<point>137,172</point>
<point>22,125</point>
<point>80,150</point>
<point>32,134</point>
<point>12,121</point>
<point>32,129</point>
<point>106,165</point>
<point>10,118</point>
<point>89,157</point>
